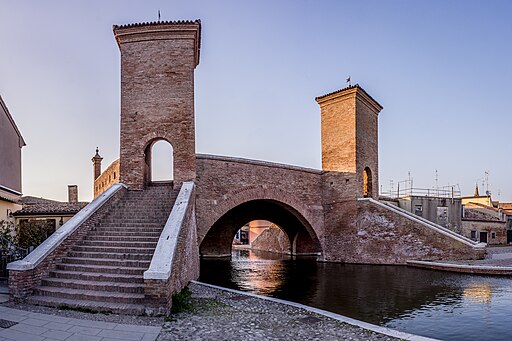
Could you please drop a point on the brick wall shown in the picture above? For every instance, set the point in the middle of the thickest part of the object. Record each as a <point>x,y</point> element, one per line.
<point>157,97</point>
<point>224,183</point>
<point>107,178</point>
<point>375,235</point>
<point>272,239</point>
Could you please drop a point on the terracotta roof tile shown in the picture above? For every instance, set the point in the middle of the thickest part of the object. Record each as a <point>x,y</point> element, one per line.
<point>155,23</point>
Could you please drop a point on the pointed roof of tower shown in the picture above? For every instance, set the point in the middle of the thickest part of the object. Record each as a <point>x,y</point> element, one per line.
<point>476,191</point>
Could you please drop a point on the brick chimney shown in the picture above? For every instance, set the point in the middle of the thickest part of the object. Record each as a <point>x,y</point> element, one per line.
<point>72,194</point>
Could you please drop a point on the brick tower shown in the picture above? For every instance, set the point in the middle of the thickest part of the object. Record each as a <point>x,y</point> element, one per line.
<point>157,96</point>
<point>350,137</point>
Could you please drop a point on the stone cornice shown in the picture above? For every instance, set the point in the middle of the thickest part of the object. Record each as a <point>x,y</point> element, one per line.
<point>352,91</point>
<point>160,30</point>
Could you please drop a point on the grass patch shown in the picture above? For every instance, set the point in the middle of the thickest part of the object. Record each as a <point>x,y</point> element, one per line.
<point>181,301</point>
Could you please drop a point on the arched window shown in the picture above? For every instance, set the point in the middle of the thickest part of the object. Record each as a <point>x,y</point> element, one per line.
<point>159,160</point>
<point>367,182</point>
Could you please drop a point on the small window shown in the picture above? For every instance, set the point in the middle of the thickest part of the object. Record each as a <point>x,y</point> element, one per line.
<point>473,234</point>
<point>493,235</point>
<point>114,175</point>
<point>418,210</point>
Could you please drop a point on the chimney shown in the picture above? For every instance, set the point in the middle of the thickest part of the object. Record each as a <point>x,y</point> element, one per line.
<point>72,194</point>
<point>96,160</point>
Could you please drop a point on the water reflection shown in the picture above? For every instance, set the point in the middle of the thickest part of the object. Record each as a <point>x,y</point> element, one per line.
<point>430,303</point>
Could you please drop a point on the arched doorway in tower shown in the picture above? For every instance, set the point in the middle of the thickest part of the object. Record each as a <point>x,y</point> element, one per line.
<point>159,159</point>
<point>367,182</point>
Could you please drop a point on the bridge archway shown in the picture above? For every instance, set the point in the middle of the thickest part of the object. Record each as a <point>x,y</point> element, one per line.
<point>218,239</point>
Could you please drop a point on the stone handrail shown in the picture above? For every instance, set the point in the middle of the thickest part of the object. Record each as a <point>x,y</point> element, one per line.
<point>165,252</point>
<point>425,222</point>
<point>58,237</point>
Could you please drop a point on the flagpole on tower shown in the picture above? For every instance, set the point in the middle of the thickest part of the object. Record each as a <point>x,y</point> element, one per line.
<point>348,81</point>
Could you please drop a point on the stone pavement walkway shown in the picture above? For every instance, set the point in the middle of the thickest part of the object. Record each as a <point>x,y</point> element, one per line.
<point>33,326</point>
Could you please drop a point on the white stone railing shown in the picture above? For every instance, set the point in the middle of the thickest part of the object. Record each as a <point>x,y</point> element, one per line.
<point>426,223</point>
<point>58,237</point>
<point>165,252</point>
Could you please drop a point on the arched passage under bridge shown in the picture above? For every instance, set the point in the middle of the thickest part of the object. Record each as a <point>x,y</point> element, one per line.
<point>218,240</point>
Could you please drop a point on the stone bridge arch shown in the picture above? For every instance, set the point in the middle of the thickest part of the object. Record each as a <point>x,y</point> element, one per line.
<point>233,209</point>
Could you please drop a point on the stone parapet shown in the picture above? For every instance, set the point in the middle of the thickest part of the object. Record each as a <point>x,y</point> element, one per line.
<point>176,259</point>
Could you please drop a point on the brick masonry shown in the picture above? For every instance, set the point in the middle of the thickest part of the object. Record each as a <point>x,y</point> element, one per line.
<point>157,97</point>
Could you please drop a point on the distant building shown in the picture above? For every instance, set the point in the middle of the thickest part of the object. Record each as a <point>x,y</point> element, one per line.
<point>485,221</point>
<point>53,214</point>
<point>11,143</point>
<point>441,206</point>
<point>103,180</point>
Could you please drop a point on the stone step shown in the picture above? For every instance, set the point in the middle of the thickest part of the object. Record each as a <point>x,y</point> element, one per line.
<point>132,288</point>
<point>80,294</point>
<point>108,262</point>
<point>101,269</point>
<point>128,229</point>
<point>103,307</point>
<point>110,255</point>
<point>122,233</point>
<point>96,276</point>
<point>101,224</point>
<point>112,249</point>
<point>113,243</point>
<point>135,221</point>
<point>122,238</point>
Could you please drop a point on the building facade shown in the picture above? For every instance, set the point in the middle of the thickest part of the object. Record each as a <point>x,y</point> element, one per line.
<point>11,143</point>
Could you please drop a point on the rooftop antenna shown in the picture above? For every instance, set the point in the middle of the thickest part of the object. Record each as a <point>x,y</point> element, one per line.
<point>158,15</point>
<point>437,179</point>
<point>486,182</point>
<point>348,81</point>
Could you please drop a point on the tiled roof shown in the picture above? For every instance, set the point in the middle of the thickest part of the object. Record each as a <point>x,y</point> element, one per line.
<point>476,214</point>
<point>155,23</point>
<point>355,86</point>
<point>50,207</point>
<point>30,200</point>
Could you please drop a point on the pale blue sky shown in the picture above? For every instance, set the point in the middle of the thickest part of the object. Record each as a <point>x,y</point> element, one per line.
<point>441,69</point>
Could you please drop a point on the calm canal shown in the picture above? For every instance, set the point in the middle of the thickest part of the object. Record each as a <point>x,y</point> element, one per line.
<point>442,305</point>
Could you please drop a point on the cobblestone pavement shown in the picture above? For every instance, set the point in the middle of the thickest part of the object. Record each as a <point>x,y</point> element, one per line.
<point>221,315</point>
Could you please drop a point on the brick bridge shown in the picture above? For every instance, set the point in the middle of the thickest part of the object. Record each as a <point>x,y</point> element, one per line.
<point>129,252</point>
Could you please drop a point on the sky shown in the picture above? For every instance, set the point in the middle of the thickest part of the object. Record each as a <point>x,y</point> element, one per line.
<point>441,70</point>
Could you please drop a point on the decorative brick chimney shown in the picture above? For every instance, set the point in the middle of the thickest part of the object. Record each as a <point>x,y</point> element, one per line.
<point>72,194</point>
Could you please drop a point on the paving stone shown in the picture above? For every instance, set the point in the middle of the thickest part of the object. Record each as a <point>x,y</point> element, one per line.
<point>78,337</point>
<point>19,336</point>
<point>84,330</point>
<point>57,326</point>
<point>140,329</point>
<point>35,322</point>
<point>50,318</point>
<point>26,328</point>
<point>57,334</point>
<point>118,334</point>
<point>93,324</point>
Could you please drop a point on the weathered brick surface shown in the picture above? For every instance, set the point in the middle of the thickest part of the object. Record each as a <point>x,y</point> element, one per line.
<point>185,265</point>
<point>23,283</point>
<point>374,235</point>
<point>107,178</point>
<point>157,97</point>
<point>224,183</point>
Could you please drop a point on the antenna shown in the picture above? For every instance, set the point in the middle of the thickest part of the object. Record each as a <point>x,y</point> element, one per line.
<point>348,81</point>
<point>158,15</point>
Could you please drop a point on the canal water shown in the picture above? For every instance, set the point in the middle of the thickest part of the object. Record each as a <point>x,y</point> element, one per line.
<point>436,304</point>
